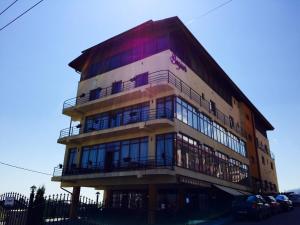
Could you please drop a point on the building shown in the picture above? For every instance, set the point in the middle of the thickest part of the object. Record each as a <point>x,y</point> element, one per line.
<point>158,124</point>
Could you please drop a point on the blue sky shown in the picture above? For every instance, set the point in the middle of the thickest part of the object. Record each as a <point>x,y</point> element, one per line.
<point>255,42</point>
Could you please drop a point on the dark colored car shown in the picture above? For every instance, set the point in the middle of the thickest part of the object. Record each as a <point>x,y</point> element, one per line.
<point>274,205</point>
<point>295,198</point>
<point>285,203</point>
<point>253,206</point>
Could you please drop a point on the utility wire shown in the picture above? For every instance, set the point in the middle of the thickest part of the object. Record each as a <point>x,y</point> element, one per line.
<point>209,11</point>
<point>22,14</point>
<point>22,168</point>
<point>8,7</point>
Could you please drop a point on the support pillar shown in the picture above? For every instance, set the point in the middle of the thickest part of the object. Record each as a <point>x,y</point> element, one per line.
<point>107,196</point>
<point>152,203</point>
<point>74,202</point>
<point>181,198</point>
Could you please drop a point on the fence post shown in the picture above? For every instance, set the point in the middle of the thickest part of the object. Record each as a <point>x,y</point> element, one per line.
<point>30,204</point>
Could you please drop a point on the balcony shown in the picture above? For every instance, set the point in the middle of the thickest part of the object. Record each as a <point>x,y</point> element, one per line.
<point>126,164</point>
<point>157,81</point>
<point>144,119</point>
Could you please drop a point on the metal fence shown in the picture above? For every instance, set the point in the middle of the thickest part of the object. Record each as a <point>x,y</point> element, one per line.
<point>17,209</point>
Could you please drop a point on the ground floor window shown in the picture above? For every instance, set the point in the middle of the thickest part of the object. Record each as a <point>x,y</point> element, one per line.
<point>129,199</point>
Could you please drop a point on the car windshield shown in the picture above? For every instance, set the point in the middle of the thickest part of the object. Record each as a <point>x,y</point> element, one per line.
<point>251,198</point>
<point>281,197</point>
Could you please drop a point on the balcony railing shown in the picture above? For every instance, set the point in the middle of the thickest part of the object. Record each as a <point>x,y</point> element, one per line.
<point>272,155</point>
<point>109,122</point>
<point>156,78</point>
<point>126,164</point>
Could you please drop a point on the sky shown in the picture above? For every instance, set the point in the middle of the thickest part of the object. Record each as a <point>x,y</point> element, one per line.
<point>256,42</point>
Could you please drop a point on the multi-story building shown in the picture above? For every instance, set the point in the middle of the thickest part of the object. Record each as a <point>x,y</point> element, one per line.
<point>159,124</point>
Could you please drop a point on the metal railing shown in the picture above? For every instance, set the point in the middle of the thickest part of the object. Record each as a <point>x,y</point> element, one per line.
<point>126,119</point>
<point>272,155</point>
<point>126,164</point>
<point>156,78</point>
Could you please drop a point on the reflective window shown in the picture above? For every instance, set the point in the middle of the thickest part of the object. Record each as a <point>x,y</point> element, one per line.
<point>132,114</point>
<point>115,154</point>
<point>72,158</point>
<point>141,79</point>
<point>165,107</point>
<point>189,115</point>
<point>164,149</point>
<point>193,155</point>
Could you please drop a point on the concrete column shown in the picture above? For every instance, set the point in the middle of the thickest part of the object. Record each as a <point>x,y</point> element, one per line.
<point>181,198</point>
<point>107,196</point>
<point>74,202</point>
<point>152,203</point>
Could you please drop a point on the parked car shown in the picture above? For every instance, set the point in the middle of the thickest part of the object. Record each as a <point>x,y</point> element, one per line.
<point>253,206</point>
<point>295,198</point>
<point>285,203</point>
<point>274,205</point>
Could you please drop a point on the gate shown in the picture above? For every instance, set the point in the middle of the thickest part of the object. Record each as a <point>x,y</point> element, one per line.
<point>13,209</point>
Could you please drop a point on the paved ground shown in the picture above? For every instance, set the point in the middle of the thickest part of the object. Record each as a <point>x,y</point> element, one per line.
<point>287,218</point>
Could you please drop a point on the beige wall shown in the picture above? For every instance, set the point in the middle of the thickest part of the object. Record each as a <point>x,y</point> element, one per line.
<point>267,173</point>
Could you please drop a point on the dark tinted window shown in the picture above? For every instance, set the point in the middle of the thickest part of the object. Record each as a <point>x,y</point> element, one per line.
<point>141,79</point>
<point>116,87</point>
<point>95,94</point>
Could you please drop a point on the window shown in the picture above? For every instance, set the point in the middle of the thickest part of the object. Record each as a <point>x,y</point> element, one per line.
<point>165,107</point>
<point>72,158</point>
<point>212,107</point>
<point>95,94</point>
<point>189,115</point>
<point>131,114</point>
<point>193,155</point>
<point>263,160</point>
<point>141,79</point>
<point>271,165</point>
<point>115,154</point>
<point>137,52</point>
<point>116,87</point>
<point>164,149</point>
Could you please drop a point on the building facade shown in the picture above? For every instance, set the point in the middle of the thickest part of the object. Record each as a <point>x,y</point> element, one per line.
<point>158,124</point>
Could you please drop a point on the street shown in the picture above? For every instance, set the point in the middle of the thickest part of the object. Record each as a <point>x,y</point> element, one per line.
<point>287,218</point>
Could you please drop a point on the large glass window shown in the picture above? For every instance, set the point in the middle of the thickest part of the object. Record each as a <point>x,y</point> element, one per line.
<point>132,114</point>
<point>193,155</point>
<point>144,49</point>
<point>115,154</point>
<point>164,149</point>
<point>189,115</point>
<point>165,107</point>
<point>72,158</point>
